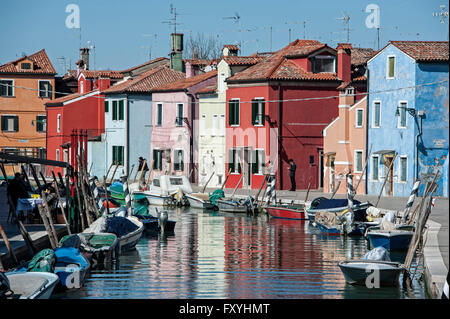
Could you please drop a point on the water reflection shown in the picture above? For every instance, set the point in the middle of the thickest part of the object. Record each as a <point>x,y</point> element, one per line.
<point>217,255</point>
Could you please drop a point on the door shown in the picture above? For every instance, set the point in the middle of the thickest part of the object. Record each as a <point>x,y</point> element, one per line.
<point>389,186</point>
<point>247,182</point>
<point>321,169</point>
<point>332,176</point>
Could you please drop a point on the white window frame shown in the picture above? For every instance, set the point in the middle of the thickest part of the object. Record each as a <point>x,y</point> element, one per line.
<point>387,66</point>
<point>356,118</point>
<point>236,163</point>
<point>58,123</point>
<point>356,170</point>
<point>13,88</point>
<point>373,114</point>
<point>371,166</point>
<point>262,163</point>
<point>203,125</point>
<point>400,114</point>
<point>177,114</point>
<point>215,125</point>
<point>157,113</point>
<point>175,157</point>
<point>323,57</point>
<point>239,113</point>
<point>39,89</point>
<point>11,131</point>
<point>81,86</point>
<point>400,169</point>
<point>57,154</point>
<point>44,125</point>
<point>222,124</point>
<point>260,99</point>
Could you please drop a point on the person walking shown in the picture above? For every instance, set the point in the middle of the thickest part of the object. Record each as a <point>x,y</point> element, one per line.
<point>292,167</point>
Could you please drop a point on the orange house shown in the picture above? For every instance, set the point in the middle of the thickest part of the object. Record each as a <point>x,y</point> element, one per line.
<point>345,144</point>
<point>26,84</point>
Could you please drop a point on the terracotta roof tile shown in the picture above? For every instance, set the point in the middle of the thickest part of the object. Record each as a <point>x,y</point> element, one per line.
<point>102,73</point>
<point>208,89</point>
<point>201,62</point>
<point>231,47</point>
<point>147,81</point>
<point>243,60</point>
<point>424,50</point>
<point>185,83</point>
<point>59,101</point>
<point>42,64</point>
<point>361,55</point>
<point>146,63</point>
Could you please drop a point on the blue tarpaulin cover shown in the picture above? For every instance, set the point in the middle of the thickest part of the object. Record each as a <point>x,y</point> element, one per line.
<point>120,226</point>
<point>334,203</point>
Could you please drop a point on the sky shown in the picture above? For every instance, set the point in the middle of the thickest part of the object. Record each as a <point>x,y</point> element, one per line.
<point>128,33</point>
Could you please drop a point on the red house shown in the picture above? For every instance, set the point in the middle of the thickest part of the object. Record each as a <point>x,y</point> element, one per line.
<point>278,108</point>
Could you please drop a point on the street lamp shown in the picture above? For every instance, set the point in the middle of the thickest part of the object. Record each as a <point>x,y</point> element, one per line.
<point>411,111</point>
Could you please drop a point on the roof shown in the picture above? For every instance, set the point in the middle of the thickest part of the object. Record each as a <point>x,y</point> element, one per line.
<point>145,82</point>
<point>61,100</point>
<point>424,50</point>
<point>360,56</point>
<point>200,62</point>
<point>233,47</point>
<point>90,74</point>
<point>42,64</point>
<point>208,90</point>
<point>278,67</point>
<point>184,84</point>
<point>144,64</point>
<point>242,60</point>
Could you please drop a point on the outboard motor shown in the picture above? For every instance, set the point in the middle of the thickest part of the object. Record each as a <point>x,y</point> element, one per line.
<point>4,286</point>
<point>162,219</point>
<point>378,254</point>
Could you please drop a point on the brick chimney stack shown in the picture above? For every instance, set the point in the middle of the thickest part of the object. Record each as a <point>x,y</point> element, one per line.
<point>344,64</point>
<point>84,55</point>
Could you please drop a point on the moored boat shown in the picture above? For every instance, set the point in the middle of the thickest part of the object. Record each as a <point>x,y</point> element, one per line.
<point>71,267</point>
<point>200,200</point>
<point>29,285</point>
<point>286,211</point>
<point>231,206</point>
<point>391,239</point>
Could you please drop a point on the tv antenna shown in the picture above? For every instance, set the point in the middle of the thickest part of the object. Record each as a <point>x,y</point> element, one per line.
<point>443,15</point>
<point>346,21</point>
<point>63,63</point>
<point>237,19</point>
<point>173,20</point>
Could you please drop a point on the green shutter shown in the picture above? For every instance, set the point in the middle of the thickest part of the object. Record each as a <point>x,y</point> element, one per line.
<point>114,154</point>
<point>391,66</point>
<point>255,162</point>
<point>16,123</point>
<point>254,112</point>
<point>239,160</point>
<point>121,110</point>
<point>155,162</point>
<point>230,113</point>
<point>231,159</point>
<point>236,112</point>
<point>106,106</point>
<point>114,109</point>
<point>4,119</point>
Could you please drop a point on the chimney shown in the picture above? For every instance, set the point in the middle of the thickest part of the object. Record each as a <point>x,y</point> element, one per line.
<point>176,56</point>
<point>84,55</point>
<point>191,70</point>
<point>230,50</point>
<point>344,67</point>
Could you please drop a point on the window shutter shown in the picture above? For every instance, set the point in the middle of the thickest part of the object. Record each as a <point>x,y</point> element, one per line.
<point>239,160</point>
<point>50,89</point>
<point>106,106</point>
<point>114,109</point>
<point>41,89</point>
<point>255,162</point>
<point>231,159</point>
<point>155,162</point>
<point>121,110</point>
<point>254,112</point>
<point>230,113</point>
<point>263,111</point>
<point>4,119</point>
<point>114,154</point>
<point>16,123</point>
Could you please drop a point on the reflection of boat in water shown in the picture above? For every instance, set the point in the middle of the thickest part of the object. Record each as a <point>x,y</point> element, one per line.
<point>375,267</point>
<point>167,190</point>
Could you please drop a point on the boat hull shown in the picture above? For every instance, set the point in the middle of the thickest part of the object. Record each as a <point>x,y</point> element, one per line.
<point>155,199</point>
<point>42,293</point>
<point>196,202</point>
<point>152,226</point>
<point>358,272</point>
<point>129,241</point>
<point>230,207</point>
<point>286,213</point>
<point>391,240</point>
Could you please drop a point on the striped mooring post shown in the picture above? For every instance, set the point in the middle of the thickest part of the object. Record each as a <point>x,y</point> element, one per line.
<point>412,197</point>
<point>126,192</point>
<point>97,198</point>
<point>350,195</point>
<point>445,290</point>
<point>271,193</point>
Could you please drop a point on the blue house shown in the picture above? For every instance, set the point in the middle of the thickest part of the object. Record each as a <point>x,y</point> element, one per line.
<point>408,117</point>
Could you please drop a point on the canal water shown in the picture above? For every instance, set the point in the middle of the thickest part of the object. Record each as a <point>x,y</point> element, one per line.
<point>224,255</point>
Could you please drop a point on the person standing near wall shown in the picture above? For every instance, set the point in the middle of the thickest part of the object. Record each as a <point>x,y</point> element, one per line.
<point>141,162</point>
<point>292,167</point>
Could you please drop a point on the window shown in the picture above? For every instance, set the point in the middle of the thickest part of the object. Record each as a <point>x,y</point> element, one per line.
<point>41,123</point>
<point>403,168</point>
<point>222,125</point>
<point>178,163</point>
<point>311,159</point>
<point>375,173</point>
<point>157,159</point>
<point>114,110</point>
<point>324,64</point>
<point>234,159</point>
<point>233,106</point>
<point>159,114</point>
<point>10,123</point>
<point>358,161</point>
<point>258,112</point>
<point>402,118</point>
<point>106,106</point>
<point>121,110</point>
<point>376,114</point>
<point>118,152</point>
<point>6,88</point>
<point>81,87</point>
<point>57,154</point>
<point>390,67</point>
<point>179,119</point>
<point>359,117</point>
<point>215,123</point>
<point>175,181</point>
<point>203,125</point>
<point>258,162</point>
<point>25,66</point>
<point>58,123</point>
<point>350,91</point>
<point>45,89</point>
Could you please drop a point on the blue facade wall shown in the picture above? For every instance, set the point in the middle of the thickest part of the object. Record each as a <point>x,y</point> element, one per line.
<point>140,117</point>
<point>390,92</point>
<point>407,86</point>
<point>433,100</point>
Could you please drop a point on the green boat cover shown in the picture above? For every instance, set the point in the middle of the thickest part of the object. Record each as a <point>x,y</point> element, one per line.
<point>139,197</point>
<point>43,261</point>
<point>91,242</point>
<point>217,194</point>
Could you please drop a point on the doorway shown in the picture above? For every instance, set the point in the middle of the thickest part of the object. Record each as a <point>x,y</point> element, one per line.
<point>247,167</point>
<point>388,188</point>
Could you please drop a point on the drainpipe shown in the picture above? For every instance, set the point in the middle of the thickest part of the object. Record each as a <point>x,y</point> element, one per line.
<point>191,138</point>
<point>366,183</point>
<point>417,145</point>
<point>280,164</point>
<point>128,135</point>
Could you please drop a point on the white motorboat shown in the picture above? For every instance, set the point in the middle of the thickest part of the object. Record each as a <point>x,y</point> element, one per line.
<point>200,200</point>
<point>32,285</point>
<point>167,190</point>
